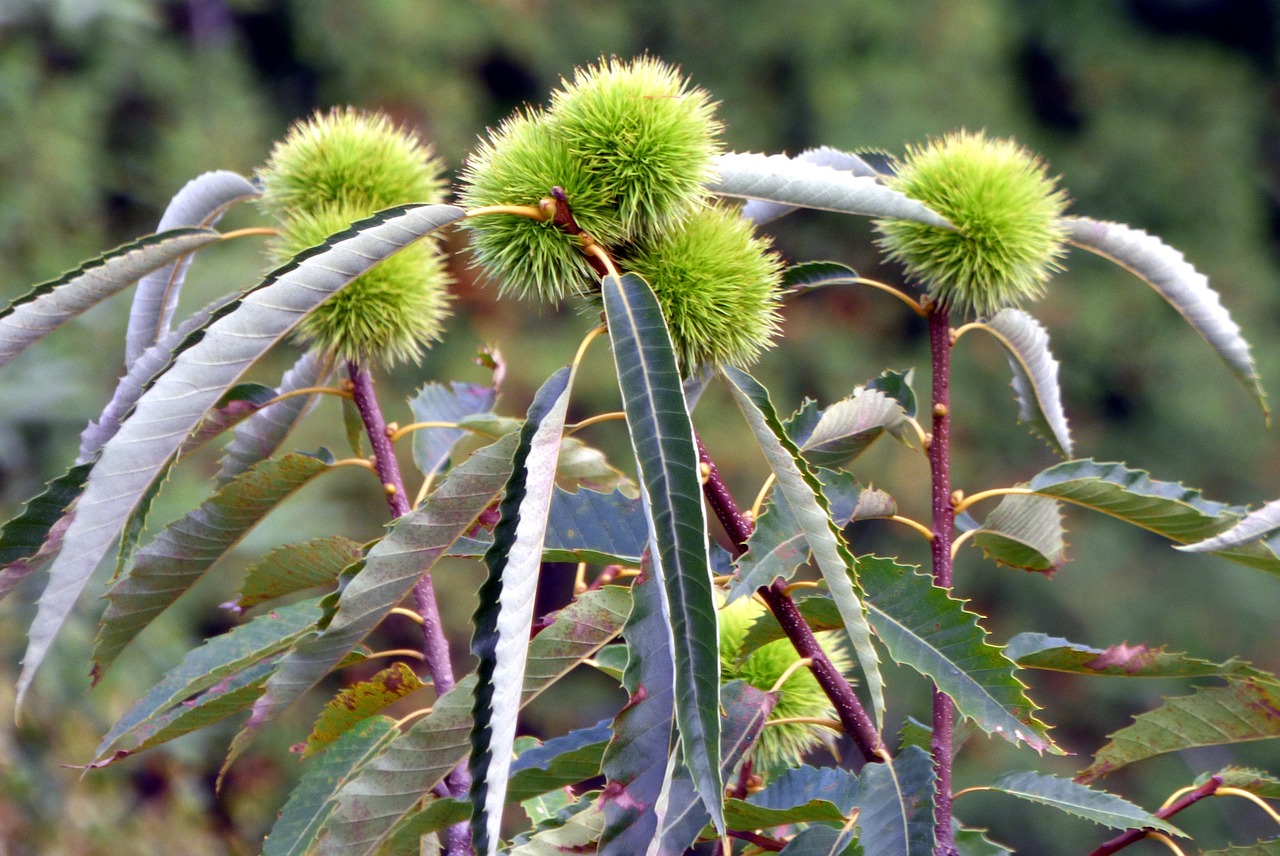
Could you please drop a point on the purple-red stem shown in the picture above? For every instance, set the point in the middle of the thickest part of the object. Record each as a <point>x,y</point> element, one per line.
<point>853,717</point>
<point>1131,836</point>
<point>435,645</point>
<point>944,520</point>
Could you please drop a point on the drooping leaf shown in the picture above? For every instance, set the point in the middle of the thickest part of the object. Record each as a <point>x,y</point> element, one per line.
<point>436,402</point>
<point>1081,801</point>
<point>23,539</point>
<point>793,182</point>
<point>897,385</point>
<point>760,212</point>
<point>1256,782</point>
<point>146,443</point>
<point>296,567</point>
<point>682,815</point>
<point>1166,508</point>
<point>504,616</point>
<point>801,490</point>
<point>822,841</point>
<point>388,573</point>
<point>848,427</point>
<point>560,762</point>
<point>312,800</point>
<point>393,782</point>
<point>895,805</point>
<point>583,466</point>
<point>1035,375</point>
<point>51,304</point>
<point>667,462</point>
<point>200,203</point>
<point>800,785</point>
<point>1172,276</point>
<point>358,702</point>
<point>259,436</point>
<point>180,555</point>
<point>810,276</point>
<point>1242,710</point>
<point>1024,532</point>
<point>1038,651</point>
<point>240,402</point>
<point>925,628</point>
<point>218,659</point>
<point>635,764</point>
<point>1254,525</point>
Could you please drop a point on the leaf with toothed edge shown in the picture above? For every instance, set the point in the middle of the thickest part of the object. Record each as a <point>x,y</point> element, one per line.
<point>28,540</point>
<point>895,805</point>
<point>1051,653</point>
<point>213,362</point>
<point>802,491</point>
<point>1172,276</point>
<point>1025,532</point>
<point>296,567</point>
<point>504,615</point>
<point>1255,525</point>
<point>1035,375</point>
<point>200,203</point>
<point>667,462</point>
<point>437,402</point>
<point>761,212</point>
<point>49,305</point>
<point>1081,801</point>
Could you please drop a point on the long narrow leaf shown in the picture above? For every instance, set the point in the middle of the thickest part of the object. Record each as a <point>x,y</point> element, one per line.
<point>259,436</point>
<point>800,488</point>
<point>778,178</point>
<point>1054,654</point>
<point>179,556</point>
<point>25,539</point>
<point>1187,290</point>
<point>132,460</point>
<point>895,805</point>
<point>388,788</point>
<point>667,461</point>
<point>504,616</point>
<point>200,202</point>
<point>761,212</point>
<point>1035,376</point>
<point>1081,801</point>
<point>296,567</point>
<point>51,304</point>
<point>1256,524</point>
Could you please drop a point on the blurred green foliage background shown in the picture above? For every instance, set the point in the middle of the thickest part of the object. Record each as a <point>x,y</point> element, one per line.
<point>1158,113</point>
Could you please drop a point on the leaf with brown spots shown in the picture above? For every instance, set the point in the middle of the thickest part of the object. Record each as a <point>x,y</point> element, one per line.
<point>358,702</point>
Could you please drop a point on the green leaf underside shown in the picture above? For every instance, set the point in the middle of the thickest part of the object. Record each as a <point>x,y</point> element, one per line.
<point>778,178</point>
<point>1035,376</point>
<point>312,801</point>
<point>635,764</point>
<point>1048,653</point>
<point>23,539</point>
<point>1081,801</point>
<point>240,402</point>
<point>746,710</point>
<point>760,211</point>
<point>1256,524</point>
<point>297,567</point>
<point>575,834</point>
<point>1165,508</point>
<point>436,402</point>
<point>388,573</point>
<point>667,462</point>
<point>259,436</point>
<point>219,659</point>
<point>974,842</point>
<point>1024,532</point>
<point>50,304</point>
<point>1257,782</point>
<point>357,702</point>
<point>166,413</point>
<point>1241,711</point>
<point>895,803</point>
<point>370,805</point>
<point>1185,288</point>
<point>504,616</point>
<point>810,276</point>
<point>848,427</point>
<point>166,568</point>
<point>925,628</point>
<point>801,489</point>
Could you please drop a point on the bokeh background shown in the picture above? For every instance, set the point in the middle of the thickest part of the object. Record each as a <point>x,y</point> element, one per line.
<point>1164,114</point>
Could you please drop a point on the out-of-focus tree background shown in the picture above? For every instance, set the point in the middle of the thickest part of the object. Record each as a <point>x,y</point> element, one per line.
<point>1159,113</point>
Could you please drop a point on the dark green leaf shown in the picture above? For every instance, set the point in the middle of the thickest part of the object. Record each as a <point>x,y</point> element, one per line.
<point>23,539</point>
<point>1081,801</point>
<point>895,805</point>
<point>436,402</point>
<point>800,786</point>
<point>1024,532</point>
<point>259,436</point>
<point>1256,782</point>
<point>808,276</point>
<point>560,762</point>
<point>1038,651</point>
<point>297,567</point>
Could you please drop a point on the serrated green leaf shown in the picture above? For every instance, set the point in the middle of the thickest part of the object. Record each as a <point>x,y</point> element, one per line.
<point>214,360</point>
<point>200,203</point>
<point>1081,801</point>
<point>297,567</point>
<point>438,814</point>
<point>1254,525</point>
<point>793,182</point>
<point>974,842</point>
<point>436,402</point>
<point>848,427</point>
<point>1270,847</point>
<point>386,576</point>
<point>49,305</point>
<point>635,763</point>
<point>925,628</point>
<point>358,702</point>
<point>1242,710</point>
<point>1172,276</point>
<point>388,788</point>
<point>1257,782</point>
<point>800,488</point>
<point>179,556</point>
<point>895,805</point>
<point>583,466</point>
<point>800,785</point>
<point>897,385</point>
<point>259,436</point>
<point>312,800</point>
<point>1024,532</point>
<point>218,659</point>
<point>576,834</point>
<point>504,615</point>
<point>1035,375</point>
<point>1038,651</point>
<point>667,462</point>
<point>1166,508</point>
<point>28,541</point>
<point>239,403</point>
<point>745,815</point>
